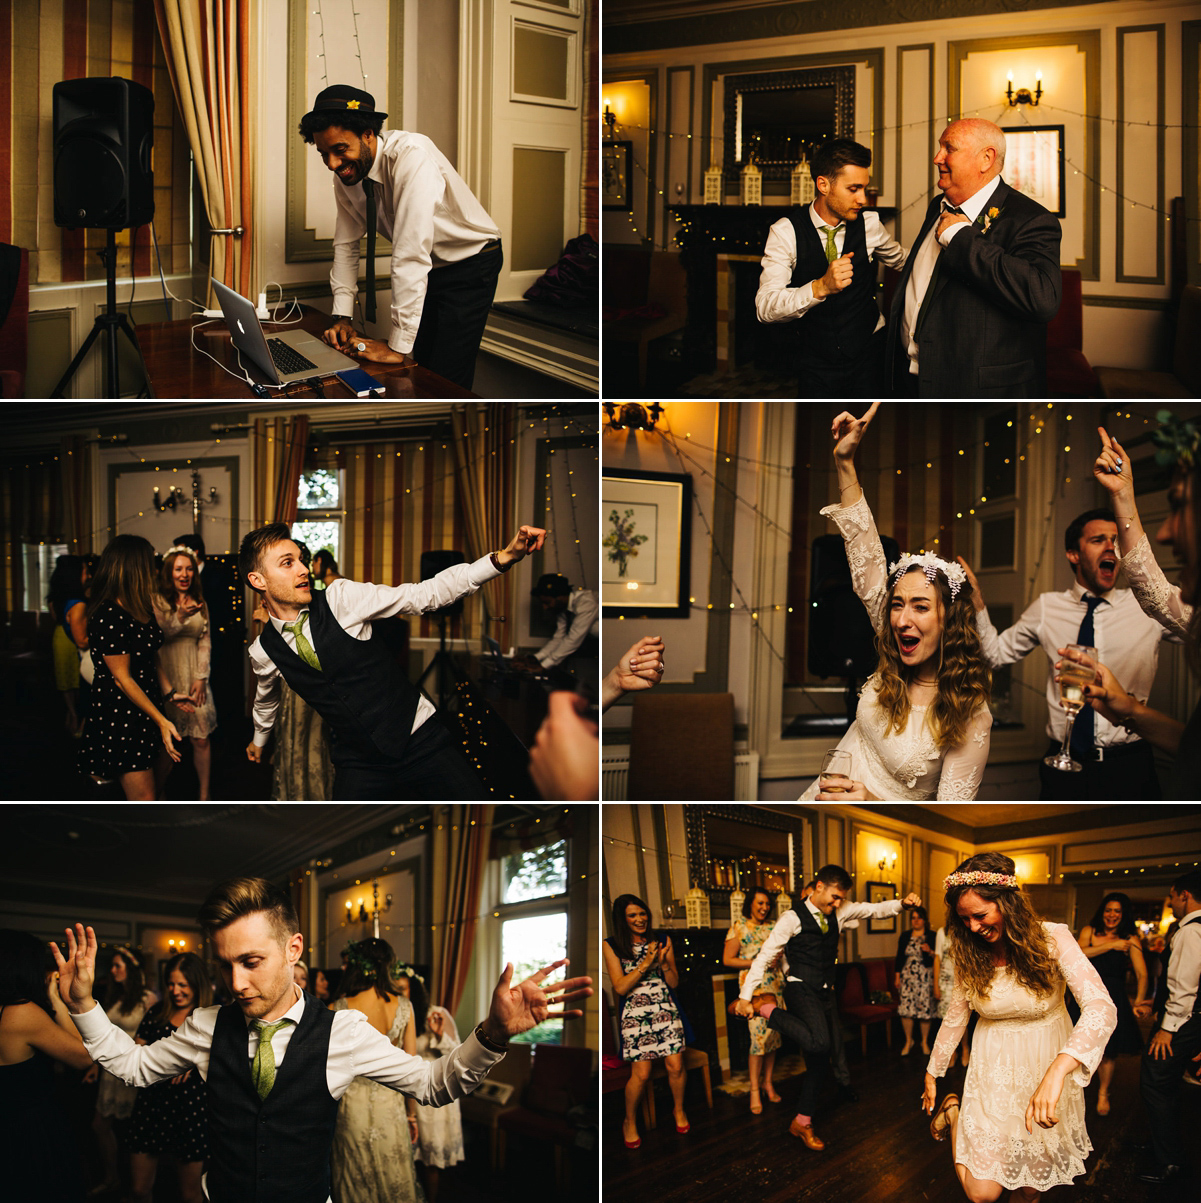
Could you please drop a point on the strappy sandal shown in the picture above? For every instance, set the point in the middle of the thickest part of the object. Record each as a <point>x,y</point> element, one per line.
<point>939,1130</point>
<point>756,1104</point>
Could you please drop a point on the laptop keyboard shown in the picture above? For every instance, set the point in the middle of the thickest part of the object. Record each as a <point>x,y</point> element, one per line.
<point>288,359</point>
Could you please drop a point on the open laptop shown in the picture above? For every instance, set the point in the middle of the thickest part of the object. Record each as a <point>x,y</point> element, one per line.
<point>285,357</point>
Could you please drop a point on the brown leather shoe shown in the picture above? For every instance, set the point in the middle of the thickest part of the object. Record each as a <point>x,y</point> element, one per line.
<point>805,1132</point>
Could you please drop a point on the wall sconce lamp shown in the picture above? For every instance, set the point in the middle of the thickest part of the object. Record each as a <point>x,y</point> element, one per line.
<point>1022,95</point>
<point>632,416</point>
<point>610,119</point>
<point>888,862</point>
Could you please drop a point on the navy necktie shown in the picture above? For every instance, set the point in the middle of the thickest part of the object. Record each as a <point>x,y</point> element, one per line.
<point>1082,732</point>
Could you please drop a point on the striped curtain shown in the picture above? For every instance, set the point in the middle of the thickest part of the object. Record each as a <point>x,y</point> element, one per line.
<point>208,52</point>
<point>277,447</point>
<point>30,513</point>
<point>75,465</point>
<point>485,436</point>
<point>589,118</point>
<point>460,855</point>
<point>400,500</point>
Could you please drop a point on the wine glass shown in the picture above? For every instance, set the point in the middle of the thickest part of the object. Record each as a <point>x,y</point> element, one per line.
<point>836,772</point>
<point>1073,677</point>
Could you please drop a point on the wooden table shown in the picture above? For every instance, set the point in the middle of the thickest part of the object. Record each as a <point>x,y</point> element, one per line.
<point>175,368</point>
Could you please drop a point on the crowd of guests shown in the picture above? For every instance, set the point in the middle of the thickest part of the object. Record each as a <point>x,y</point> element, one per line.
<point>386,1145</point>
<point>1050,1007</point>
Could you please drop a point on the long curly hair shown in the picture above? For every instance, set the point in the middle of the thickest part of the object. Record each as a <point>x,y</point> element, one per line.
<point>1027,948</point>
<point>964,677</point>
<point>1125,923</point>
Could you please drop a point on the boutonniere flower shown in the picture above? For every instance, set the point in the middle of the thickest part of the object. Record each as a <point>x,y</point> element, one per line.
<point>987,218</point>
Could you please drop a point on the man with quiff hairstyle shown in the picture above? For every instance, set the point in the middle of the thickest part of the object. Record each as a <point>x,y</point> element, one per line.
<point>969,318</point>
<point>275,1061</point>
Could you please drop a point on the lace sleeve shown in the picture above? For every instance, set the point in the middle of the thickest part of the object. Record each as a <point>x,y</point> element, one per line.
<point>949,1035</point>
<point>1098,1015</point>
<point>869,570</point>
<point>204,649</point>
<point>1158,598</point>
<point>963,766</point>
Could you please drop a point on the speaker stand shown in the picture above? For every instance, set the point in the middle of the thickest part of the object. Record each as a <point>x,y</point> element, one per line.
<point>108,323</point>
<point>443,668</point>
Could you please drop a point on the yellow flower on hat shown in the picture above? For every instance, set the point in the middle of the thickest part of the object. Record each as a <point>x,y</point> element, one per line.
<point>353,104</point>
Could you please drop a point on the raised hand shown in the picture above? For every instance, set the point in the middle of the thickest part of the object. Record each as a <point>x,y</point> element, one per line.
<point>847,430</point>
<point>77,971</point>
<point>642,666</point>
<point>977,594</point>
<point>910,901</point>
<point>528,540</point>
<point>516,1009</point>
<point>1112,469</point>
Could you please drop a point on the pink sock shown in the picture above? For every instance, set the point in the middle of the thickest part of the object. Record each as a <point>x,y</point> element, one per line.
<point>766,1009</point>
<point>804,1120</point>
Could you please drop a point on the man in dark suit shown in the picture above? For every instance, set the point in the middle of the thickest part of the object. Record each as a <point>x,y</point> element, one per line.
<point>982,280</point>
<point>819,270</point>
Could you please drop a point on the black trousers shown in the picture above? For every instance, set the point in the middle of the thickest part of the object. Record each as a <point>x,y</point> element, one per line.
<point>430,769</point>
<point>457,300</point>
<point>1160,1087</point>
<point>1128,776</point>
<point>811,1019</point>
<point>863,377</point>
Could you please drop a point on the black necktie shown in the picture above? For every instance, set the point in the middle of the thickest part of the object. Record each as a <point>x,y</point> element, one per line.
<point>1082,732</point>
<point>369,191</point>
<point>921,315</point>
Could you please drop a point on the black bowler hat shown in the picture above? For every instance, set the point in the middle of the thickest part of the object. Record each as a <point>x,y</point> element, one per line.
<point>342,98</point>
<point>551,584</point>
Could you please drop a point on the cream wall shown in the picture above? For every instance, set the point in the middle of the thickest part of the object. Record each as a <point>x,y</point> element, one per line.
<point>1083,52</point>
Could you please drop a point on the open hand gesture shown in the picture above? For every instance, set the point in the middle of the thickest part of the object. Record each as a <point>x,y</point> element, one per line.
<point>847,430</point>
<point>1112,469</point>
<point>516,1009</point>
<point>77,971</point>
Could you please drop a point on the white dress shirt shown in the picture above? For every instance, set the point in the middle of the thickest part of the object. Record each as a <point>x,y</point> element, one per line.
<point>789,924</point>
<point>354,604</point>
<point>1184,965</point>
<point>1126,639</point>
<point>776,300</point>
<point>356,1049</point>
<point>580,619</point>
<point>926,256</point>
<point>430,215</point>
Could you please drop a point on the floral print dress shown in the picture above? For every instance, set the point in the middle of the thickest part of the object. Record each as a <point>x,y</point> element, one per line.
<point>917,981</point>
<point>750,937</point>
<point>650,1021</point>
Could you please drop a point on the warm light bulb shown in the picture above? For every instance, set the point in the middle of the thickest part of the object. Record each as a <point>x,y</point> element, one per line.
<point>1009,76</point>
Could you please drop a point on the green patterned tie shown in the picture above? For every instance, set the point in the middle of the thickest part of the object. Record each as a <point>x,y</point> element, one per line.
<point>823,922</point>
<point>304,649</point>
<point>831,249</point>
<point>262,1069</point>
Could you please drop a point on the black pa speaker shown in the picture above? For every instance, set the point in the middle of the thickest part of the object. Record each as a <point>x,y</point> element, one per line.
<point>841,639</point>
<point>103,138</point>
<point>432,563</point>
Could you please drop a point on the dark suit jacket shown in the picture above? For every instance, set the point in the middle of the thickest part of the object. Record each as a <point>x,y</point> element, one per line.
<point>985,331</point>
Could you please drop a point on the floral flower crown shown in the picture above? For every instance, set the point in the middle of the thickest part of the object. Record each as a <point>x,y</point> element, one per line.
<point>179,549</point>
<point>400,969</point>
<point>931,564</point>
<point>977,877</point>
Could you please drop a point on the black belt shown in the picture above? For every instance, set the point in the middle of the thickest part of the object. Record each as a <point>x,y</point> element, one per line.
<point>490,246</point>
<point>1100,754</point>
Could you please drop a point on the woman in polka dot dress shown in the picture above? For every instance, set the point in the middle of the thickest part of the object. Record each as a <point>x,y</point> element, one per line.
<point>169,1118</point>
<point>129,739</point>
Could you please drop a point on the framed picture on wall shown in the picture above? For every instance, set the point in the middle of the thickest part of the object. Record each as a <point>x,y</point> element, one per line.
<point>645,533</point>
<point>616,159</point>
<point>1034,164</point>
<point>881,891</point>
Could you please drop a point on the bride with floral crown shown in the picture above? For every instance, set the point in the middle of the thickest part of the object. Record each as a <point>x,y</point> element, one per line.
<point>923,725</point>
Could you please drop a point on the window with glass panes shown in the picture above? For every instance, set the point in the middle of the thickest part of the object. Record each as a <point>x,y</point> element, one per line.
<point>319,512</point>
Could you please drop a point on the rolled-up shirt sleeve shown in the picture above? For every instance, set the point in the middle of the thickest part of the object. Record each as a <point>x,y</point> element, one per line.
<point>349,228</point>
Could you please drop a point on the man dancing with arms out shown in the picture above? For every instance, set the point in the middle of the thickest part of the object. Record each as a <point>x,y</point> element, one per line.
<point>808,937</point>
<point>275,1061</point>
<point>381,740</point>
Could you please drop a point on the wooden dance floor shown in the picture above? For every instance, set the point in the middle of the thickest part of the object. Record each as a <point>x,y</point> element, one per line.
<point>878,1150</point>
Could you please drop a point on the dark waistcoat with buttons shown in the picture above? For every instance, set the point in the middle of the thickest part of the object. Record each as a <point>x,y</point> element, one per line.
<point>836,330</point>
<point>273,1150</point>
<point>367,702</point>
<point>812,953</point>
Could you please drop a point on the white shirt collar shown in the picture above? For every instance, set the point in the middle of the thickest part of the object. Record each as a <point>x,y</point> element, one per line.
<point>295,1012</point>
<point>1077,592</point>
<point>974,205</point>
<point>820,225</point>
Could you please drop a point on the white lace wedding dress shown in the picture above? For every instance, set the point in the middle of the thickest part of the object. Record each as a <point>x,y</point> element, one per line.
<point>1017,1038</point>
<point>904,766</point>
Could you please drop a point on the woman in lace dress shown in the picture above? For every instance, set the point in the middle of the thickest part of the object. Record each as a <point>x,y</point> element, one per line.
<point>185,654</point>
<point>1020,1126</point>
<point>1174,606</point>
<point>372,1155</point>
<point>923,726</point>
<point>743,941</point>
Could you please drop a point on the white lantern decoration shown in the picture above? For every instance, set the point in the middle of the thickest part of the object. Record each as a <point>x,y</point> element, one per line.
<point>737,898</point>
<point>783,903</point>
<point>751,188</point>
<point>803,191</point>
<point>696,907</point>
<point>714,187</point>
